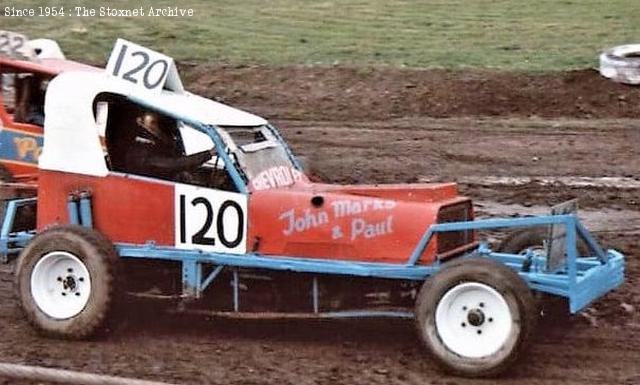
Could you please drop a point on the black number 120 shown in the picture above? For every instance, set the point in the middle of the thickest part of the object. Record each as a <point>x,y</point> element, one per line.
<point>142,65</point>
<point>200,238</point>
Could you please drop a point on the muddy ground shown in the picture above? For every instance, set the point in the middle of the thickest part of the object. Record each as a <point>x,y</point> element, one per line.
<point>360,125</point>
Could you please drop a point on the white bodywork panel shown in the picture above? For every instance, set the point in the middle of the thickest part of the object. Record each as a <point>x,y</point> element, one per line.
<point>210,220</point>
<point>194,141</point>
<point>201,109</point>
<point>72,135</point>
<point>46,49</point>
<point>155,72</point>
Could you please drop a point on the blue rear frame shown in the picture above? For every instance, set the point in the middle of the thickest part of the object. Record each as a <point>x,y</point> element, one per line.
<point>581,281</point>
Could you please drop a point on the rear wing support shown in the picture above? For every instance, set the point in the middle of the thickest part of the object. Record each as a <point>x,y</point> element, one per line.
<point>580,278</point>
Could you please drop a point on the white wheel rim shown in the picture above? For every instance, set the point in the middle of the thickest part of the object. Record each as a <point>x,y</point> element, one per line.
<point>473,320</point>
<point>60,285</point>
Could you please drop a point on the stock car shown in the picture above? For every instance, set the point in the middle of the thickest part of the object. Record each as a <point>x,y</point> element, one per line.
<point>252,235</point>
<point>26,67</point>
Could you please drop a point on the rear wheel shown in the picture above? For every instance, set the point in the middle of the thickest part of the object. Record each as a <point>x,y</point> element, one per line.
<point>535,239</point>
<point>475,316</point>
<point>65,281</point>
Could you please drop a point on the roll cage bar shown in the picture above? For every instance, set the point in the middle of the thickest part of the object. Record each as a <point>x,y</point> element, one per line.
<point>237,175</point>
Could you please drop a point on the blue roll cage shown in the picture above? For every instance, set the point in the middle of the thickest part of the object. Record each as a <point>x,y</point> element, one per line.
<point>580,279</point>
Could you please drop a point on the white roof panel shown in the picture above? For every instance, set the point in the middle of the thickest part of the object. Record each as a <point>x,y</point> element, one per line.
<point>72,136</point>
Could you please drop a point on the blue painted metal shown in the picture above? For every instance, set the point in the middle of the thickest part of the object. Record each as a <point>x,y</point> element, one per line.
<point>282,263</point>
<point>9,216</point>
<point>13,242</point>
<point>314,295</point>
<point>236,291</point>
<point>10,213</point>
<point>591,242</point>
<point>484,225</point>
<point>191,277</point>
<point>571,249</point>
<point>86,217</point>
<point>229,164</point>
<point>210,278</point>
<point>367,314</point>
<point>597,281</point>
<point>11,141</point>
<point>72,210</point>
<point>581,281</point>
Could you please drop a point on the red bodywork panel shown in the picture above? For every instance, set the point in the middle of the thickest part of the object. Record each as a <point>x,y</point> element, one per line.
<point>124,209</point>
<point>50,67</point>
<point>359,223</point>
<point>364,223</point>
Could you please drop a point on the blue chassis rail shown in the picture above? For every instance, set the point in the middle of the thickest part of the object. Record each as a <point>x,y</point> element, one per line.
<point>581,280</point>
<point>13,242</point>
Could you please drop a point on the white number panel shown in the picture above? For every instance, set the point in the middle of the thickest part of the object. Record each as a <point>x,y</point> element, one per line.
<point>143,67</point>
<point>210,220</point>
<point>14,45</point>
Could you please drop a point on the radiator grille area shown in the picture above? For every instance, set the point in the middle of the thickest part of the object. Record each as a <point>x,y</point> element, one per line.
<point>451,240</point>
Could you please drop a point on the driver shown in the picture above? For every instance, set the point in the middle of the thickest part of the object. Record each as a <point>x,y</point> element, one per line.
<point>155,152</point>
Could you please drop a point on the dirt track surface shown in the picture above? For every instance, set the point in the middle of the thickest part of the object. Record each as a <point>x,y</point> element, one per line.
<point>355,93</point>
<point>364,144</point>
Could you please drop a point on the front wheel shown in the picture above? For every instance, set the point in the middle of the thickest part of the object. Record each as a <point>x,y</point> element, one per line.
<point>65,281</point>
<point>475,316</point>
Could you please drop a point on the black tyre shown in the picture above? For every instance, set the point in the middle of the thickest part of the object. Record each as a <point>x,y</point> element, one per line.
<point>475,316</point>
<point>533,238</point>
<point>65,281</point>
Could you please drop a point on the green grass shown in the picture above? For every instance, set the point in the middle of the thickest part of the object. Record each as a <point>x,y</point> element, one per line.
<point>538,35</point>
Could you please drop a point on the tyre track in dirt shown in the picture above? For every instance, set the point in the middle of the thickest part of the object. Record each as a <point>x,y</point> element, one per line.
<point>451,148</point>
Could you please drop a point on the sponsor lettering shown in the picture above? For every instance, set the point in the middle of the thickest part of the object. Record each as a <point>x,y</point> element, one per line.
<point>356,226</point>
<point>27,146</point>
<point>304,222</point>
<point>279,176</point>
